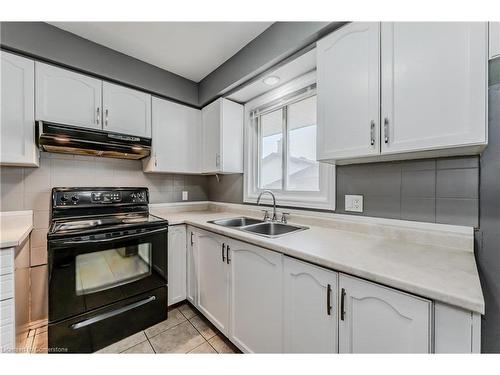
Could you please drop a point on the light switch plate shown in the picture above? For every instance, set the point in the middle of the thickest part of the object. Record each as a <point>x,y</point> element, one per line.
<point>354,203</point>
<point>184,195</point>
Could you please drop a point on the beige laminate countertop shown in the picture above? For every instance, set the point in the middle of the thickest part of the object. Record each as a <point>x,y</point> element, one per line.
<point>15,226</point>
<point>435,271</point>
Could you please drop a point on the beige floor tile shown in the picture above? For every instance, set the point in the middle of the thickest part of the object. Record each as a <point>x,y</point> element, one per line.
<point>40,343</point>
<point>174,317</point>
<point>124,344</point>
<point>203,326</point>
<point>188,311</point>
<point>204,348</point>
<point>180,339</point>
<point>29,344</point>
<point>221,345</point>
<point>41,330</point>
<point>142,348</point>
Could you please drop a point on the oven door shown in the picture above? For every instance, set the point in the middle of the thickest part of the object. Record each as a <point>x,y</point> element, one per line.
<point>90,272</point>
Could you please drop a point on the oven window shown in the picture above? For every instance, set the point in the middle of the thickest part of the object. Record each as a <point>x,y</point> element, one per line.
<point>107,269</point>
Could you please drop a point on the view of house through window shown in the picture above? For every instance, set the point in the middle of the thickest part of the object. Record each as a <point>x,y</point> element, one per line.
<point>287,158</point>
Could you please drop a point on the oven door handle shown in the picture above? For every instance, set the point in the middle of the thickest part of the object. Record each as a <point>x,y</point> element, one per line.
<point>103,240</point>
<point>110,314</point>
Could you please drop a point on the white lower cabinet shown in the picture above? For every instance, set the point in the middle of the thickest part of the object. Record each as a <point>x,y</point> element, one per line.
<point>376,319</point>
<point>176,264</point>
<point>265,302</point>
<point>255,297</point>
<point>191,267</point>
<point>213,283</point>
<point>310,308</point>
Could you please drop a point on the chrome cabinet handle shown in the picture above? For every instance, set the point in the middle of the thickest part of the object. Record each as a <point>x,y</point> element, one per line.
<point>106,118</point>
<point>191,238</point>
<point>372,133</point>
<point>386,130</point>
<point>227,254</point>
<point>342,304</point>
<point>223,249</point>
<point>98,115</point>
<point>217,160</point>
<point>328,299</point>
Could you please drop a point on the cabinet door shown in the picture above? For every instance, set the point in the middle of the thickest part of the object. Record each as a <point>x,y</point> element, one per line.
<point>192,267</point>
<point>348,92</point>
<point>176,138</point>
<point>433,85</point>
<point>310,308</point>
<point>69,98</point>
<point>213,283</point>
<point>126,111</point>
<point>18,111</point>
<point>176,264</point>
<point>494,37</point>
<point>231,157</point>
<point>255,298</point>
<point>211,137</point>
<point>376,319</point>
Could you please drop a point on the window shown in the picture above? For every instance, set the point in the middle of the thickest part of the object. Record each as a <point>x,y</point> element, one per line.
<point>282,153</point>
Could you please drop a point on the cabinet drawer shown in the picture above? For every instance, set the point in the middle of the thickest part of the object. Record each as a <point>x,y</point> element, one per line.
<point>6,312</point>
<point>6,261</point>
<point>6,286</point>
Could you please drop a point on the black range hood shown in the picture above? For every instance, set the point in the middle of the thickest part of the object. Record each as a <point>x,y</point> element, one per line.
<point>67,139</point>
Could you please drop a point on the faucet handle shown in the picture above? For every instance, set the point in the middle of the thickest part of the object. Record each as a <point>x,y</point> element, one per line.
<point>283,217</point>
<point>266,215</point>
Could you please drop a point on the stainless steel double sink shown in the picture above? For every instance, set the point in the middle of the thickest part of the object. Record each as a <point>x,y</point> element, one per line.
<point>270,229</point>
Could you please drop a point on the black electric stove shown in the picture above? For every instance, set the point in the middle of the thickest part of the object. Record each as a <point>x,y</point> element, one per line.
<point>107,259</point>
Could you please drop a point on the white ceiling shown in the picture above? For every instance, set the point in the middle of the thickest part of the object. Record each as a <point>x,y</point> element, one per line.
<point>189,49</point>
<point>287,72</point>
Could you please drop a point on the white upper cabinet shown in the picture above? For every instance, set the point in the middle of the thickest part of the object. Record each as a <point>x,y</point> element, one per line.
<point>66,97</point>
<point>176,138</point>
<point>222,137</point>
<point>376,319</point>
<point>310,308</point>
<point>434,83</point>
<point>348,71</point>
<point>494,39</point>
<point>17,130</point>
<point>255,298</point>
<point>126,111</point>
<point>213,282</point>
<point>176,264</point>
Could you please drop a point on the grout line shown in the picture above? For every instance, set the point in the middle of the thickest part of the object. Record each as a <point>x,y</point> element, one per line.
<point>203,343</point>
<point>165,330</point>
<point>151,345</point>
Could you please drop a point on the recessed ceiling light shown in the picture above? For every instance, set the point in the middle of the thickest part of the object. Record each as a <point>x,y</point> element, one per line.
<point>271,80</point>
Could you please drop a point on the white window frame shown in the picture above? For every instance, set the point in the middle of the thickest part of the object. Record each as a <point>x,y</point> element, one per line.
<point>325,198</point>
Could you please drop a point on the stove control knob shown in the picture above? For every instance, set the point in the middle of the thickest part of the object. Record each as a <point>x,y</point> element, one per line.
<point>64,198</point>
<point>75,198</point>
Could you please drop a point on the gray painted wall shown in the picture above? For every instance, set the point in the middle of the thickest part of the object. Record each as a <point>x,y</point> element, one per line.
<point>49,43</point>
<point>488,244</point>
<point>442,190</point>
<point>276,43</point>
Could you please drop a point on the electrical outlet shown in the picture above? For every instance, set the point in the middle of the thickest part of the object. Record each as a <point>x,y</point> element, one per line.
<point>354,203</point>
<point>184,195</point>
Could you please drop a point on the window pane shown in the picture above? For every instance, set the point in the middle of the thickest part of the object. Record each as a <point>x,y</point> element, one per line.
<point>271,150</point>
<point>303,169</point>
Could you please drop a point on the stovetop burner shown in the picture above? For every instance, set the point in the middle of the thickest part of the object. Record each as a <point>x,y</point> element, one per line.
<point>78,211</point>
